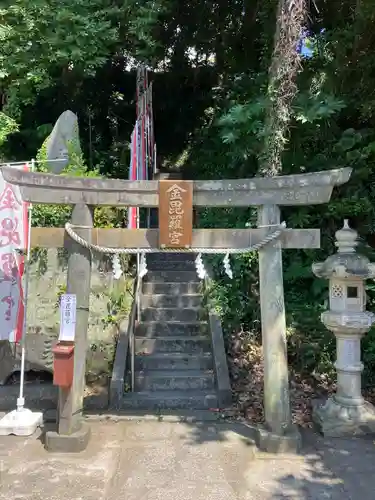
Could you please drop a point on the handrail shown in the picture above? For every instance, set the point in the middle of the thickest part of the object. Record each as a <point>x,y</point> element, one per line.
<point>224,390</point>
<point>135,321</point>
<point>137,298</point>
<point>124,343</point>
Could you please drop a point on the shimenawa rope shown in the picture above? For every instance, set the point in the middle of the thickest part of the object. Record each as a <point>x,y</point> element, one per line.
<point>110,250</point>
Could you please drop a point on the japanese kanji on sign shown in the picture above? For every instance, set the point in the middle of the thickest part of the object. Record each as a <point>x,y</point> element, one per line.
<point>68,308</point>
<point>175,214</point>
<point>13,238</point>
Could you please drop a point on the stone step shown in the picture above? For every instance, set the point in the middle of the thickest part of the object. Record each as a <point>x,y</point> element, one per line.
<point>171,277</point>
<point>174,361</point>
<point>154,329</point>
<point>171,301</point>
<point>174,265</point>
<point>161,400</point>
<point>186,345</point>
<point>172,380</point>
<point>171,257</point>
<point>168,415</point>
<point>171,314</point>
<point>171,288</point>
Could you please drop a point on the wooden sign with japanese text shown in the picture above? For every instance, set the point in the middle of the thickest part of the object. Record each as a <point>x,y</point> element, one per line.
<point>175,214</point>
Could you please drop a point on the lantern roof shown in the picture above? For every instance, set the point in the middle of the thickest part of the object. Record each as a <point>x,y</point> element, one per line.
<point>346,263</point>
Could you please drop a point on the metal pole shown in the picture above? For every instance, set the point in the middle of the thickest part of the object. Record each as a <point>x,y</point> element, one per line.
<point>139,111</point>
<point>21,399</point>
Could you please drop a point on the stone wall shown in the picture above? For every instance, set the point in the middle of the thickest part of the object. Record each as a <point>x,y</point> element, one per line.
<point>47,281</point>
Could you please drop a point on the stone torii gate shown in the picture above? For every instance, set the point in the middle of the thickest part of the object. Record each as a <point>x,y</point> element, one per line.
<point>267,194</point>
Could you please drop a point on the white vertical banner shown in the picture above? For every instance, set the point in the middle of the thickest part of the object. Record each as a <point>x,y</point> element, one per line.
<point>13,237</point>
<point>68,311</point>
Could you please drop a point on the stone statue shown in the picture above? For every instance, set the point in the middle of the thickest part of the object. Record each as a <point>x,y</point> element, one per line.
<point>62,142</point>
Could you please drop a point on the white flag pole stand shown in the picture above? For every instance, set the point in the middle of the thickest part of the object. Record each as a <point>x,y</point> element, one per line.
<point>23,422</point>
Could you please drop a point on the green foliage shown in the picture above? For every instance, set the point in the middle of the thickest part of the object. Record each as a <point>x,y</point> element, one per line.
<point>332,126</point>
<point>39,38</point>
<point>119,302</point>
<point>45,42</point>
<point>61,291</point>
<point>58,215</point>
<point>7,127</point>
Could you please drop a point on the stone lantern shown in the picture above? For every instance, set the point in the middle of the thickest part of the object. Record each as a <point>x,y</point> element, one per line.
<point>346,413</point>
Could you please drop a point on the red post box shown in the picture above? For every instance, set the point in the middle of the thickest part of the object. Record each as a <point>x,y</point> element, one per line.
<point>63,364</point>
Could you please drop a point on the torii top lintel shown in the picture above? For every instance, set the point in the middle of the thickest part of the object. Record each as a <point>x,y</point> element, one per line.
<point>301,189</point>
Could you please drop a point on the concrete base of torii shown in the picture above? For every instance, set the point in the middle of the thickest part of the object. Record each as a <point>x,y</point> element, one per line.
<point>68,443</point>
<point>288,442</point>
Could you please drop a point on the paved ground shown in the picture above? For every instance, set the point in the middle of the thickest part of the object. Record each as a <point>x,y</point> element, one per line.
<point>171,461</point>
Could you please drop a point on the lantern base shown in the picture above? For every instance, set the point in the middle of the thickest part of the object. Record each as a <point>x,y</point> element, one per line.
<point>22,422</point>
<point>336,420</point>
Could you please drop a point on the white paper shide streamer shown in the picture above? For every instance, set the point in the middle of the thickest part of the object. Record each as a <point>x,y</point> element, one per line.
<point>116,267</point>
<point>227,266</point>
<point>142,270</point>
<point>199,266</point>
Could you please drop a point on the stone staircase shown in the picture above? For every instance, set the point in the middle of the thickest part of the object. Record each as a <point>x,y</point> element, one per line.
<point>174,366</point>
<point>180,364</point>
